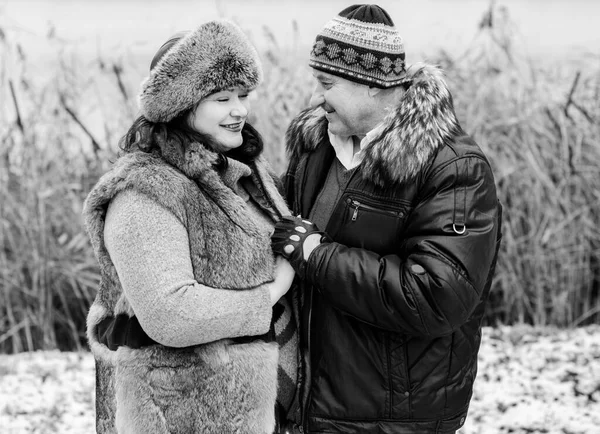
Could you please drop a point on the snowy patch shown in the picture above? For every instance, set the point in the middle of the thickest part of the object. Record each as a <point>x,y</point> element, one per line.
<point>47,392</point>
<point>529,381</point>
<point>537,381</point>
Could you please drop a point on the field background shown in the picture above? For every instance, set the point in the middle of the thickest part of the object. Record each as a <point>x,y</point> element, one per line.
<point>526,80</point>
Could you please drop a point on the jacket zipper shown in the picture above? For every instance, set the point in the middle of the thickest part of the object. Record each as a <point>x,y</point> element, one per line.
<point>390,382</point>
<point>358,205</point>
<point>310,293</point>
<point>307,375</point>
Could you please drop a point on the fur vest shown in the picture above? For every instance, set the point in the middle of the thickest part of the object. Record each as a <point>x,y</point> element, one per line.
<point>212,388</point>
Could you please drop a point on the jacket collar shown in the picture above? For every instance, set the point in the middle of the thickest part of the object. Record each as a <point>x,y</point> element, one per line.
<point>422,121</point>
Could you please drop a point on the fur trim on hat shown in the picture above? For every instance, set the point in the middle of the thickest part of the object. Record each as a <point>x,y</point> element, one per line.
<point>407,139</point>
<point>216,56</point>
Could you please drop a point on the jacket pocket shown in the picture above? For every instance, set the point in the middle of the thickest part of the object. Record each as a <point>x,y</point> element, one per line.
<point>372,224</point>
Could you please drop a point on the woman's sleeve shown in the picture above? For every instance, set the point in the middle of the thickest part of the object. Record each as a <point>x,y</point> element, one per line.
<point>149,248</point>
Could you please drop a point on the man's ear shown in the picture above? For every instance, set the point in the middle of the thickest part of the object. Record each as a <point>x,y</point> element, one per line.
<point>373,91</point>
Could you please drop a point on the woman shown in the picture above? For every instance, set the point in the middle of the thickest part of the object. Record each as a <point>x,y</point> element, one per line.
<point>183,329</point>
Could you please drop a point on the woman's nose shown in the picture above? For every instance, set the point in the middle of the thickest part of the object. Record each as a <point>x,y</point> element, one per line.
<point>239,109</point>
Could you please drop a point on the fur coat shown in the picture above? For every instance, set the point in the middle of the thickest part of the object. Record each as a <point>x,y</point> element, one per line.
<point>218,387</point>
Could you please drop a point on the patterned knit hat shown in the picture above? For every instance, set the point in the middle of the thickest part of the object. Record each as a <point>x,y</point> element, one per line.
<point>192,65</point>
<point>362,45</point>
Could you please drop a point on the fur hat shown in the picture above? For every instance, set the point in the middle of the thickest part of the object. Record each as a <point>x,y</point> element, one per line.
<point>189,66</point>
<point>361,44</point>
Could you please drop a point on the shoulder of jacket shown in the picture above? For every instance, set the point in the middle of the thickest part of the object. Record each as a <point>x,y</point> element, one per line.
<point>461,151</point>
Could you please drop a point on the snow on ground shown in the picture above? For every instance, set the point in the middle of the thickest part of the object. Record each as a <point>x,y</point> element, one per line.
<point>537,381</point>
<point>529,381</point>
<point>47,392</point>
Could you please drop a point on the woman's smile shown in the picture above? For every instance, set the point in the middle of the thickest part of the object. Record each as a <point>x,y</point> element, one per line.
<point>234,127</point>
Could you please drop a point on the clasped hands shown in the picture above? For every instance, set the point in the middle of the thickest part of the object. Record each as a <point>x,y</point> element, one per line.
<point>295,239</point>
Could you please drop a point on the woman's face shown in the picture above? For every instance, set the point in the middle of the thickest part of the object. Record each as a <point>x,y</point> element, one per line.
<point>222,116</point>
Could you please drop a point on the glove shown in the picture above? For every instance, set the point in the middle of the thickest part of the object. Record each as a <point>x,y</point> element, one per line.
<point>290,241</point>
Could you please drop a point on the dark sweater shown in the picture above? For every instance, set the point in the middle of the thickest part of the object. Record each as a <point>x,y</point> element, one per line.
<point>337,178</point>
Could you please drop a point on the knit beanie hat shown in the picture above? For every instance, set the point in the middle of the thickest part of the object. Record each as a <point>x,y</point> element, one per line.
<point>192,65</point>
<point>362,45</point>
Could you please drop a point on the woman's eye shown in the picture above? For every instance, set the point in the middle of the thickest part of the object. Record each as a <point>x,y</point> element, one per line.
<point>222,99</point>
<point>244,96</point>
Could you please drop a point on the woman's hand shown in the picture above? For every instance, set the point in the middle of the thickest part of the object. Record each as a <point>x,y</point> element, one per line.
<point>284,276</point>
<point>295,239</point>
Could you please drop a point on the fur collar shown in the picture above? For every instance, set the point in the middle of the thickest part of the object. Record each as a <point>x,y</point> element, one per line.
<point>195,160</point>
<point>407,139</point>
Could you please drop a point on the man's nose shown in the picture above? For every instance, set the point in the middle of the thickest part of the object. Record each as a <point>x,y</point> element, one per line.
<point>316,99</point>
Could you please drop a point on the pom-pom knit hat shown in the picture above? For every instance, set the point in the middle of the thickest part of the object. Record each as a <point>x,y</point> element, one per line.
<point>361,44</point>
<point>192,65</point>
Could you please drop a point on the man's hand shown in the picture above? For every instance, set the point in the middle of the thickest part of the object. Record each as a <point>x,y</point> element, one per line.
<point>295,238</point>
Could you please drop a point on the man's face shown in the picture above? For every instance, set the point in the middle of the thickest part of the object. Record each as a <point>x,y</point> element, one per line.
<point>348,104</point>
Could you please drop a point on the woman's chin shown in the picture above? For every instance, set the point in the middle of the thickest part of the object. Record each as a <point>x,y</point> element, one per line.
<point>229,143</point>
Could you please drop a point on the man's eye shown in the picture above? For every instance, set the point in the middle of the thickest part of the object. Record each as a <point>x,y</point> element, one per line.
<point>244,96</point>
<point>222,99</point>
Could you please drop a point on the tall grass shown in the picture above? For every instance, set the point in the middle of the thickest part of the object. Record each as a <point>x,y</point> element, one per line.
<point>539,125</point>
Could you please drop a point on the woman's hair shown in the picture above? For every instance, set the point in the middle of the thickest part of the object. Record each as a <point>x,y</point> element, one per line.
<point>143,134</point>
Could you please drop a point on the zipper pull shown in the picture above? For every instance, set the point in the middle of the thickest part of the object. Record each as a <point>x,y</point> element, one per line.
<point>356,206</point>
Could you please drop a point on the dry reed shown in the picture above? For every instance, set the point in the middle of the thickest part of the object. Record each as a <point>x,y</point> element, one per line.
<point>539,127</point>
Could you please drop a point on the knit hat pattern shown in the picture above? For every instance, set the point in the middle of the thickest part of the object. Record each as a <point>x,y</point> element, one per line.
<point>362,45</point>
<point>214,57</point>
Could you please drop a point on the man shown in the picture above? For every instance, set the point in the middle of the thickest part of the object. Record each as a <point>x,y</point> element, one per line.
<point>394,288</point>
